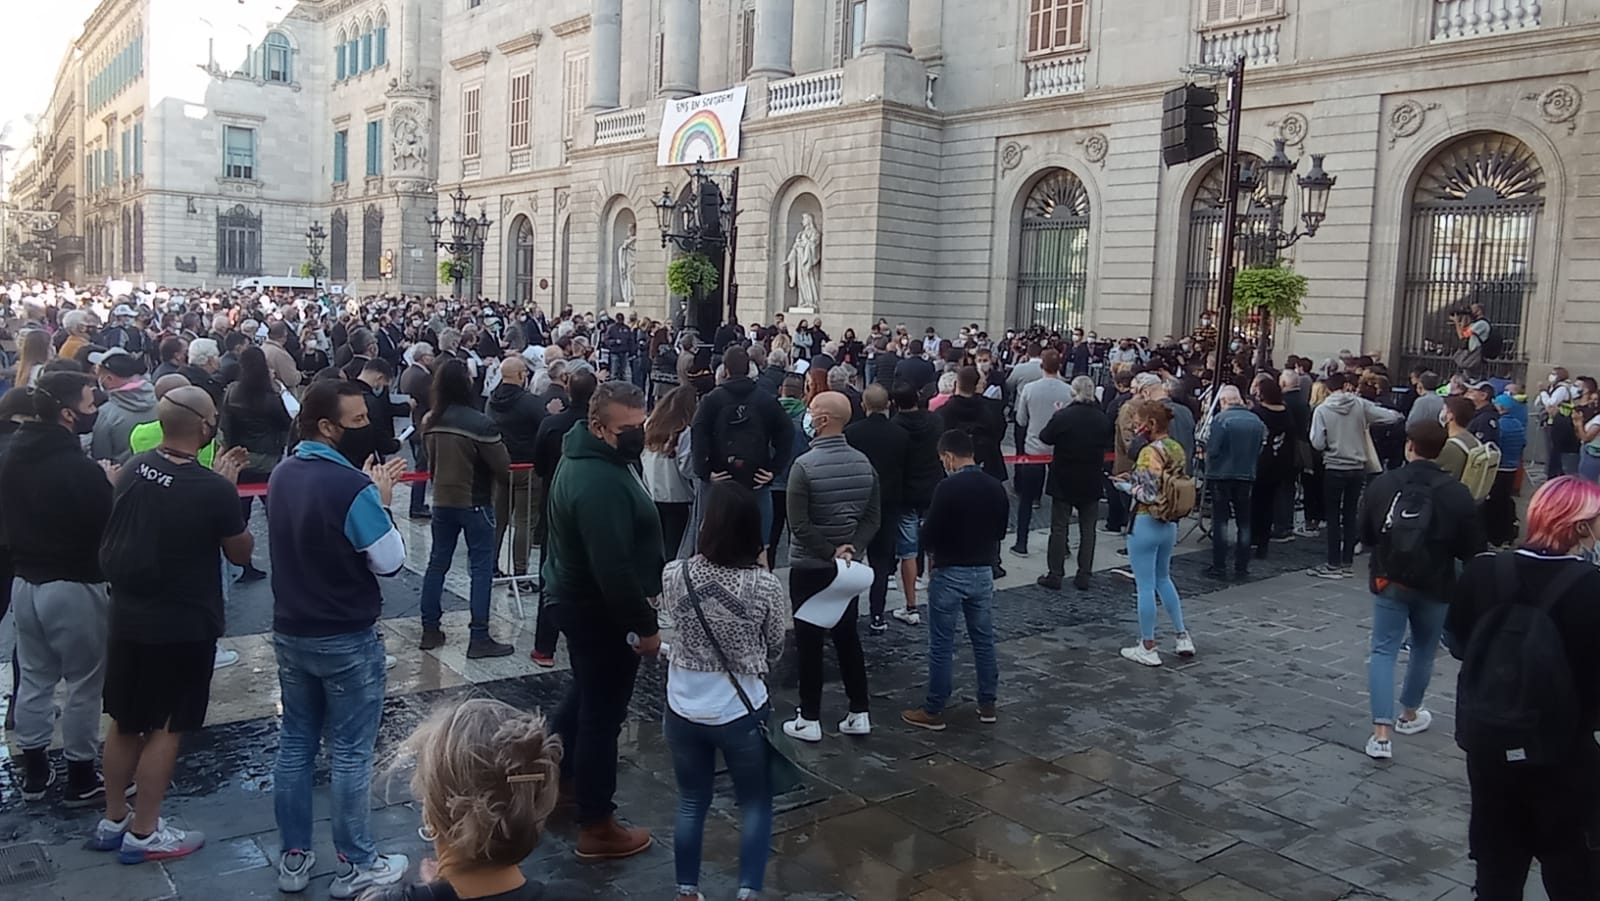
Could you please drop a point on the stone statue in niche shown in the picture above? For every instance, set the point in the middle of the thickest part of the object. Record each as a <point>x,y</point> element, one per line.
<point>627,259</point>
<point>410,145</point>
<point>804,263</point>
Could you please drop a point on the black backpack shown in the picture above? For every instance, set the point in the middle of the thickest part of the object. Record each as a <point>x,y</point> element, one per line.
<point>1413,554</point>
<point>1515,697</point>
<point>1492,347</point>
<point>740,442</point>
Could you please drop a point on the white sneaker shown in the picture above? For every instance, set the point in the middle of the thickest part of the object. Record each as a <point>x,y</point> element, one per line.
<point>108,835</point>
<point>166,843</point>
<point>389,660</point>
<point>856,724</point>
<point>294,870</point>
<point>1324,571</point>
<point>225,657</point>
<point>1141,654</point>
<point>1185,646</point>
<point>351,880</point>
<point>1379,750</point>
<point>1423,720</point>
<point>907,615</point>
<point>803,729</point>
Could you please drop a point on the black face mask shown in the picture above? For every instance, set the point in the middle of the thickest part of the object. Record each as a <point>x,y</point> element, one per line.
<point>83,423</point>
<point>356,445</point>
<point>630,443</point>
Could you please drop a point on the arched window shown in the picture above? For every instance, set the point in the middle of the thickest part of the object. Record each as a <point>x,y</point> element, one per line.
<point>521,253</point>
<point>339,246</point>
<point>339,53</point>
<point>279,54</point>
<point>380,51</point>
<point>1053,257</point>
<point>372,243</point>
<point>1473,224</point>
<point>1203,268</point>
<point>353,64</point>
<point>366,46</point>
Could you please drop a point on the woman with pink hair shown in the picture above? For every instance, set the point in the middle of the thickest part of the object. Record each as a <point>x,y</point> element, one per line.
<point>1528,701</point>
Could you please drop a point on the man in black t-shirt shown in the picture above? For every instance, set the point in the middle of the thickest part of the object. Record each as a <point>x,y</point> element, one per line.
<point>170,518</point>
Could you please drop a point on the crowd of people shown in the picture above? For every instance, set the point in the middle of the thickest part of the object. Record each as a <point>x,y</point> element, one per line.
<point>662,477</point>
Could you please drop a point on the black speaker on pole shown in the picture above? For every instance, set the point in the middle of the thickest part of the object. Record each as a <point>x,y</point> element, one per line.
<point>1188,124</point>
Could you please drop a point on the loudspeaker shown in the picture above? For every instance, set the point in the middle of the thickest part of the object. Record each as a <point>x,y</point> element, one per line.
<point>1188,124</point>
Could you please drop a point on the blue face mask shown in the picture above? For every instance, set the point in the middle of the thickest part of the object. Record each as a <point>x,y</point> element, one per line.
<point>809,426</point>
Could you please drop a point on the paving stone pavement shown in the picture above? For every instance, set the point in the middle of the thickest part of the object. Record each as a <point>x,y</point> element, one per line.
<point>1237,776</point>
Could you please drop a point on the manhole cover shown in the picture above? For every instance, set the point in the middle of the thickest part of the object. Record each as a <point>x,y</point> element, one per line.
<point>22,865</point>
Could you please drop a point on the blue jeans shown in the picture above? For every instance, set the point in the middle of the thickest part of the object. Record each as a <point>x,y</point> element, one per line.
<point>968,591</point>
<point>1390,617</point>
<point>1150,546</point>
<point>694,757</point>
<point>1588,467</point>
<point>1230,499</point>
<point>332,687</point>
<point>1029,485</point>
<point>448,523</point>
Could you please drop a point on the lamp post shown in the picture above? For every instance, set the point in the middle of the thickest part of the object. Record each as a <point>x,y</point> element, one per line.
<point>466,238</point>
<point>316,239</point>
<point>706,223</point>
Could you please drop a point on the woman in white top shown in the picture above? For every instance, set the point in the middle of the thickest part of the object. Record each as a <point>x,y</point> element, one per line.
<point>668,467</point>
<point>746,609</point>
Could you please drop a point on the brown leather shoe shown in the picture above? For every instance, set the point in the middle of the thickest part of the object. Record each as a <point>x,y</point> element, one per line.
<point>610,840</point>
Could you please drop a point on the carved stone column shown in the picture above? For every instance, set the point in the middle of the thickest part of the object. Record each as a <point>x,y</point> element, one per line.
<point>774,39</point>
<point>605,55</point>
<point>681,48</point>
<point>888,27</point>
<point>810,50</point>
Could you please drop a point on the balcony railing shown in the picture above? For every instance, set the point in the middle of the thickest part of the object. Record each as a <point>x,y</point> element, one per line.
<point>1257,43</point>
<point>619,126</point>
<point>1454,19</point>
<point>817,90</point>
<point>1052,75</point>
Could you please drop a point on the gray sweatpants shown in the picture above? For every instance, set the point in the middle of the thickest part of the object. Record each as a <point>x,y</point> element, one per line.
<point>61,637</point>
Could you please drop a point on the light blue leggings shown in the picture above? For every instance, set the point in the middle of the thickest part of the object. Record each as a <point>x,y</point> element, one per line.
<point>1150,546</point>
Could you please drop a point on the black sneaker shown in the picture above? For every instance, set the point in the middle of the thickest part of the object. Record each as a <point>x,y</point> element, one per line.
<point>85,788</point>
<point>431,638</point>
<point>488,647</point>
<point>879,625</point>
<point>39,775</point>
<point>999,571</point>
<point>1019,550</point>
<point>421,515</point>
<point>1048,581</point>
<point>251,574</point>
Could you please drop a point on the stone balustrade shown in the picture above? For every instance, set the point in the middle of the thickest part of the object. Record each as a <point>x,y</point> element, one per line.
<point>1257,43</point>
<point>1052,75</point>
<point>817,90</point>
<point>1453,19</point>
<point>619,126</point>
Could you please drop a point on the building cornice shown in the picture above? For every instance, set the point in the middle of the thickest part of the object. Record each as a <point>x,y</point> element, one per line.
<point>471,61</point>
<point>520,44</point>
<point>570,27</point>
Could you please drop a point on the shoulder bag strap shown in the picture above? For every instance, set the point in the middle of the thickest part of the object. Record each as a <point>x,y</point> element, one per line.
<point>716,646</point>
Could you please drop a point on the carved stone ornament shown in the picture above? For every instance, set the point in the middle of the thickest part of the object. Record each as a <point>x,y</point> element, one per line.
<point>1011,156</point>
<point>1559,105</point>
<point>408,131</point>
<point>561,199</point>
<point>1293,128</point>
<point>1406,119</point>
<point>506,205</point>
<point>1095,147</point>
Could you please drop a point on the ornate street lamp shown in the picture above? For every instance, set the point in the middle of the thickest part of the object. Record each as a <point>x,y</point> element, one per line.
<point>1274,176</point>
<point>706,222</point>
<point>1315,186</point>
<point>316,239</point>
<point>467,235</point>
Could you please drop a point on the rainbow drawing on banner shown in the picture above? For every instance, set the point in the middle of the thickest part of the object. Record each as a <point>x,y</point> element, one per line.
<point>703,128</point>
<point>701,137</point>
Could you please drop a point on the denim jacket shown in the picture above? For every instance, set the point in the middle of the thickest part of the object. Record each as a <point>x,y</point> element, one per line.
<point>1234,446</point>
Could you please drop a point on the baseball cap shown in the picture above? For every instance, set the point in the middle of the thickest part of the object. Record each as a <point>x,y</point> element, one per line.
<point>1483,385</point>
<point>118,362</point>
<point>122,310</point>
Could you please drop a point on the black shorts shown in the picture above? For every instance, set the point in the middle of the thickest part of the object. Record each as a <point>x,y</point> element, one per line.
<point>150,687</point>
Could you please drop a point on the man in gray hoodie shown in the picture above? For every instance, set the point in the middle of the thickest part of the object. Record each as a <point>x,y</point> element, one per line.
<point>1339,429</point>
<point>130,401</point>
<point>1430,403</point>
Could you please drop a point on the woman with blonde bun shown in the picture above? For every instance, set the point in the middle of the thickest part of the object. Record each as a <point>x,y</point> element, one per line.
<point>487,777</point>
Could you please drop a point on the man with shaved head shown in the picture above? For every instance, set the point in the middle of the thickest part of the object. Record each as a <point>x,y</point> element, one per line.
<point>170,518</point>
<point>834,512</point>
<point>519,495</point>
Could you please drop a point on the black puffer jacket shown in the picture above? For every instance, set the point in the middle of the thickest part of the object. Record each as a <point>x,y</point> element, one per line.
<point>923,469</point>
<point>518,414</point>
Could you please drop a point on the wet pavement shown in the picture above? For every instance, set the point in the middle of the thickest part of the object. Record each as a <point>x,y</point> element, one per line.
<point>1237,776</point>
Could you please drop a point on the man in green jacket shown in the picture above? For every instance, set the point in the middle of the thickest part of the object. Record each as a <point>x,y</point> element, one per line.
<point>603,560</point>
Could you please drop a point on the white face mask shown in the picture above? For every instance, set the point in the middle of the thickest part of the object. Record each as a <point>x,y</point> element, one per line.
<point>1553,378</point>
<point>1444,419</point>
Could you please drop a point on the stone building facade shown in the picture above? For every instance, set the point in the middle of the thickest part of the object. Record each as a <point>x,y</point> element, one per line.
<point>999,162</point>
<point>206,143</point>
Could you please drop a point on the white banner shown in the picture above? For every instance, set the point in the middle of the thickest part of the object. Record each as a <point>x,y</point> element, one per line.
<point>702,128</point>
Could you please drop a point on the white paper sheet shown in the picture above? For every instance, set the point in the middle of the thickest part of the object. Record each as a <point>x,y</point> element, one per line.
<point>828,606</point>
